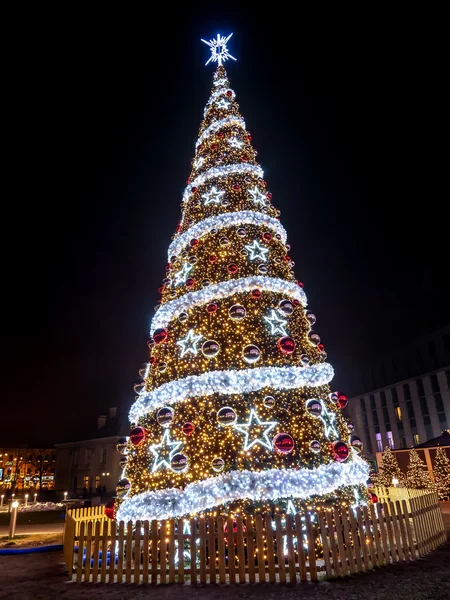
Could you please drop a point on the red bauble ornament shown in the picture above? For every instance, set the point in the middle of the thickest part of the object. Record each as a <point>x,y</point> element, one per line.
<point>213,146</point>
<point>255,293</point>
<point>190,282</point>
<point>178,228</point>
<point>161,289</point>
<point>168,266</point>
<point>232,268</point>
<point>229,93</point>
<point>236,186</point>
<point>211,308</point>
<point>249,137</point>
<point>320,347</point>
<point>300,284</point>
<point>287,258</point>
<point>373,498</point>
<point>194,189</point>
<point>160,335</point>
<point>269,195</point>
<point>266,236</point>
<point>296,302</point>
<point>152,360</point>
<point>193,243</point>
<point>342,401</point>
<point>245,158</point>
<point>283,443</point>
<point>286,344</point>
<point>110,509</point>
<point>137,435</point>
<point>212,258</point>
<point>339,451</point>
<point>188,428</point>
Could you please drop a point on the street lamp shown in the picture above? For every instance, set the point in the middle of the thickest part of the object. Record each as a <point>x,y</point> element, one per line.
<point>65,495</point>
<point>2,497</point>
<point>35,497</point>
<point>12,522</point>
<point>26,499</point>
<point>395,481</point>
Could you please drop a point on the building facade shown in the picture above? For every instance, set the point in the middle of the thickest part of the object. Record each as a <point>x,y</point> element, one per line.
<point>405,413</point>
<point>26,468</point>
<point>91,466</point>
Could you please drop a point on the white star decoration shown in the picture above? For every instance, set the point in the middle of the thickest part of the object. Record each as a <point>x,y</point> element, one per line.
<point>257,251</point>
<point>181,276</point>
<point>189,344</point>
<point>255,422</point>
<point>277,325</point>
<point>214,196</point>
<point>164,451</point>
<point>328,418</point>
<point>257,196</point>
<point>235,143</point>
<point>219,50</point>
<point>223,103</point>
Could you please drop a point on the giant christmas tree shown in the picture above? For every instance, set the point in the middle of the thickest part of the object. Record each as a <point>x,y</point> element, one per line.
<point>235,411</point>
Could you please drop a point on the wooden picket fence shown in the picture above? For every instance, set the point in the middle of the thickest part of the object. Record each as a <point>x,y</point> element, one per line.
<point>91,514</point>
<point>301,547</point>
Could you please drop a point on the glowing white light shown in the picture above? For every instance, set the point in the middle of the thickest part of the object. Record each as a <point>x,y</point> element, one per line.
<point>224,289</point>
<point>223,104</point>
<point>214,196</point>
<point>269,484</point>
<point>251,438</point>
<point>219,50</point>
<point>238,218</point>
<point>181,276</point>
<point>257,196</point>
<point>189,344</point>
<point>257,251</point>
<point>216,125</point>
<point>231,381</point>
<point>164,451</point>
<point>277,324</point>
<point>290,508</point>
<point>198,162</point>
<point>225,171</point>
<point>220,92</point>
<point>235,143</point>
<point>220,82</point>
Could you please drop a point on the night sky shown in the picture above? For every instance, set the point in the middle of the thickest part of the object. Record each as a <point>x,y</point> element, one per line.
<point>345,113</point>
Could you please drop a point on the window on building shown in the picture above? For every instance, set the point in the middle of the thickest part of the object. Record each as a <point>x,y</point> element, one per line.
<point>76,457</point>
<point>435,384</point>
<point>398,413</point>
<point>97,481</point>
<point>379,442</point>
<point>87,456</point>
<point>103,459</point>
<point>420,388</point>
<point>374,414</point>
<point>368,441</point>
<point>406,392</point>
<point>86,481</point>
<point>416,439</point>
<point>427,425</point>
<point>403,442</point>
<point>390,439</point>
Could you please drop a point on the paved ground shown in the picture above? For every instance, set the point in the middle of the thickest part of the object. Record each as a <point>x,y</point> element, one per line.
<point>42,577</point>
<point>34,529</point>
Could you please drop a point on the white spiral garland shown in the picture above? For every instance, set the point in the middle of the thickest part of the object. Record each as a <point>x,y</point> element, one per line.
<point>238,485</point>
<point>225,170</point>
<point>166,312</point>
<point>240,381</point>
<point>234,121</point>
<point>239,218</point>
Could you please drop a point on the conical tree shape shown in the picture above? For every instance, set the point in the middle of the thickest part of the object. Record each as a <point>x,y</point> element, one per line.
<point>417,475</point>
<point>236,411</point>
<point>441,474</point>
<point>389,470</point>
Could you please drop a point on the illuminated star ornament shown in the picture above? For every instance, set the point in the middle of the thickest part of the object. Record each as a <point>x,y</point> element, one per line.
<point>252,431</point>
<point>328,418</point>
<point>181,276</point>
<point>257,196</point>
<point>163,452</point>
<point>219,50</point>
<point>277,324</point>
<point>235,143</point>
<point>189,344</point>
<point>223,103</point>
<point>214,196</point>
<point>257,251</point>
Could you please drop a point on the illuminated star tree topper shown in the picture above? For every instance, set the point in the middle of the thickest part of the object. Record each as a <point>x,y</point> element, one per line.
<point>219,50</point>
